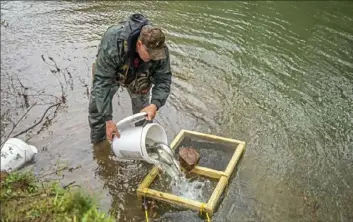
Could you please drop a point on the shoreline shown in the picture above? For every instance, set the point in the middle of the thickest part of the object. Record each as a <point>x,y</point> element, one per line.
<point>24,197</point>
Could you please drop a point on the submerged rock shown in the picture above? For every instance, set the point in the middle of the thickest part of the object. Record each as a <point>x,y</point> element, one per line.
<point>188,158</point>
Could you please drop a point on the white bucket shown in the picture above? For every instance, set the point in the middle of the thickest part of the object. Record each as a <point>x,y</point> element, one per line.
<point>15,153</point>
<point>132,142</point>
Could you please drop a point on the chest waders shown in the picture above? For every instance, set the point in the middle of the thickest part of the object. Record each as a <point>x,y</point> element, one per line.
<point>141,81</point>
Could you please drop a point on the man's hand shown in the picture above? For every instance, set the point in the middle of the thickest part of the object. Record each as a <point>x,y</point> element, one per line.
<point>111,129</point>
<point>151,111</point>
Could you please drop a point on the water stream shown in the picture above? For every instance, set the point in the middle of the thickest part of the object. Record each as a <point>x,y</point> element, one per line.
<point>175,181</point>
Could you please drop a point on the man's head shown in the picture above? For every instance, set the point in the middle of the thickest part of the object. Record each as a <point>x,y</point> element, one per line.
<point>150,44</point>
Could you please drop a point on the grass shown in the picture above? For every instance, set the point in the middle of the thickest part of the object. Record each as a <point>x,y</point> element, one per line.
<point>24,198</point>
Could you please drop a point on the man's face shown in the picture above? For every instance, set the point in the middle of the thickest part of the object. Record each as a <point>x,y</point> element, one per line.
<point>141,50</point>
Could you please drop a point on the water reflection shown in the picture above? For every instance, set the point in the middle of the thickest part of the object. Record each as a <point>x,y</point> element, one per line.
<point>121,179</point>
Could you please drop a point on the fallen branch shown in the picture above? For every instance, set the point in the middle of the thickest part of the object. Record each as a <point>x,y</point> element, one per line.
<point>17,123</point>
<point>24,131</point>
<point>18,95</point>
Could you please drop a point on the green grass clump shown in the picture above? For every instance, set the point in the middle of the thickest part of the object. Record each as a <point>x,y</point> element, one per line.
<point>23,198</point>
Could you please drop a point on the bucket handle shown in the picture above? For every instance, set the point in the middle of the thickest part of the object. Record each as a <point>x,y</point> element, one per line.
<point>131,119</point>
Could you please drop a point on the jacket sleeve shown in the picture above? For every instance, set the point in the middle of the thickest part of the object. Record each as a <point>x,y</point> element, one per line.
<point>104,76</point>
<point>162,81</point>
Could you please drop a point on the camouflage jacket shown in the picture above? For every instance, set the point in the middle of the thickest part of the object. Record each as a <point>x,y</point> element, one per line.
<point>110,62</point>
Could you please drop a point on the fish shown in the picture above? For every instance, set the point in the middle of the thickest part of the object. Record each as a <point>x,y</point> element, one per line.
<point>169,151</point>
<point>164,157</point>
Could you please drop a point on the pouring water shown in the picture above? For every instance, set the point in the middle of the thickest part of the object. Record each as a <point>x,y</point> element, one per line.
<point>149,143</point>
<point>164,158</point>
<point>180,185</point>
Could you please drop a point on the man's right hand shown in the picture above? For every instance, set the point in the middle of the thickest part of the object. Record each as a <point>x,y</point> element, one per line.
<point>111,130</point>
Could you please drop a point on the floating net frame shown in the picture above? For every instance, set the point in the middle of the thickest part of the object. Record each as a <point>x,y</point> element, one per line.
<point>143,189</point>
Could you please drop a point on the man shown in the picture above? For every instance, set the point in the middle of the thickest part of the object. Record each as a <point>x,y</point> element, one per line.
<point>133,55</point>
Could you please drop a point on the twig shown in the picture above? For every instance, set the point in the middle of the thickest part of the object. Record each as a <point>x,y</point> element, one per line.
<point>70,79</point>
<point>24,94</point>
<point>18,123</point>
<point>84,85</point>
<point>48,63</point>
<point>18,79</point>
<point>64,187</point>
<point>24,131</point>
<point>68,72</point>
<point>54,72</point>
<point>55,172</point>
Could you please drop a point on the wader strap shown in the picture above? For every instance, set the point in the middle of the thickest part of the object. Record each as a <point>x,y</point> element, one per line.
<point>92,77</point>
<point>122,81</point>
<point>124,52</point>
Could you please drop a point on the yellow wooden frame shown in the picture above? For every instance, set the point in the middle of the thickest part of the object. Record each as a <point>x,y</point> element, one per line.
<point>223,176</point>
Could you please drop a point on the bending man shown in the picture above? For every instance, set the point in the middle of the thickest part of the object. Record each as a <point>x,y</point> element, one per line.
<point>133,55</point>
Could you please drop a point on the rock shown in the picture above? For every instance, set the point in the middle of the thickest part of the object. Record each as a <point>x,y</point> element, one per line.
<point>188,158</point>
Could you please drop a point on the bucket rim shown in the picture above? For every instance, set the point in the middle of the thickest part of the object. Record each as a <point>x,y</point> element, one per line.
<point>143,140</point>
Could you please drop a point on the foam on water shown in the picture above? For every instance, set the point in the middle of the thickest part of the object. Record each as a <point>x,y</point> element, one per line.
<point>191,188</point>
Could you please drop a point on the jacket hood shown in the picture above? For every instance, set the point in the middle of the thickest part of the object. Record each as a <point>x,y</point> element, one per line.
<point>132,28</point>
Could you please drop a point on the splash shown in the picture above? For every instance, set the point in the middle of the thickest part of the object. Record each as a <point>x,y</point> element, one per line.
<point>180,185</point>
<point>191,188</point>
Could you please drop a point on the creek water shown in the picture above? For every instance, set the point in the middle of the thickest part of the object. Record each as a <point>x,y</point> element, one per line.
<point>277,75</point>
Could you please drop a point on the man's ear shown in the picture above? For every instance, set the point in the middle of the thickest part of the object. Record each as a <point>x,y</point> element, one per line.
<point>139,43</point>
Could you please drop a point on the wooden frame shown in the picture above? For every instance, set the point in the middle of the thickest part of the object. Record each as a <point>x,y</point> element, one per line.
<point>223,176</point>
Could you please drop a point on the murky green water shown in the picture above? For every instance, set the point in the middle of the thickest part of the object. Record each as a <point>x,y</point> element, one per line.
<point>278,75</point>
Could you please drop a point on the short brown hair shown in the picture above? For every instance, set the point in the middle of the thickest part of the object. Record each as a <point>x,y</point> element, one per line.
<point>154,40</point>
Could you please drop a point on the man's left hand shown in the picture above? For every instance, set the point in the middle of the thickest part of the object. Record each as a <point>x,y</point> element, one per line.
<point>151,111</point>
